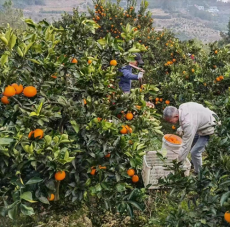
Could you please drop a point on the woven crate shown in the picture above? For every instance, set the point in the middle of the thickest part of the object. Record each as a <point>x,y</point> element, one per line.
<point>153,167</point>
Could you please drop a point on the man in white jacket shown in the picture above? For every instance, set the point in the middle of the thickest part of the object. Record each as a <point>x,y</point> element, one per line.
<point>197,123</point>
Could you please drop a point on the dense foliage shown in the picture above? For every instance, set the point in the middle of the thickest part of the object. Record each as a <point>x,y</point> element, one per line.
<point>80,116</point>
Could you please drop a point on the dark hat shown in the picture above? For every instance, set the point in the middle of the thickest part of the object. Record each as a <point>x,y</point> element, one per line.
<point>139,59</point>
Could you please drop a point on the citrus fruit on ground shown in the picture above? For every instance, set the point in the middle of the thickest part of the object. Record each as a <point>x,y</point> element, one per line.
<point>38,133</point>
<point>30,134</point>
<point>113,62</point>
<point>130,172</point>
<point>124,130</point>
<point>135,179</point>
<point>5,100</point>
<point>9,91</point>
<point>51,197</point>
<point>74,60</point>
<point>227,216</point>
<point>18,88</point>
<point>60,175</point>
<point>30,91</point>
<point>129,116</point>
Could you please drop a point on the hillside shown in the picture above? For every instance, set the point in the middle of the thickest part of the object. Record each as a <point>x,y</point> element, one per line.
<point>186,20</point>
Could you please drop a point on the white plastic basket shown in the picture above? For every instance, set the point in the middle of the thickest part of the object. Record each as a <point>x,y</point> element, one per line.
<point>153,167</point>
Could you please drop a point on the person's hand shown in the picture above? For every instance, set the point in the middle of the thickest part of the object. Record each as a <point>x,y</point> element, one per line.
<point>140,75</point>
<point>179,131</point>
<point>150,105</point>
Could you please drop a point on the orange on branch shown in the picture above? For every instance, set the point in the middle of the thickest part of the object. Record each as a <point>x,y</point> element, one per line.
<point>135,179</point>
<point>18,88</point>
<point>60,175</point>
<point>30,91</point>
<point>5,100</point>
<point>113,62</point>
<point>51,197</point>
<point>129,116</point>
<point>9,91</point>
<point>38,133</point>
<point>130,172</point>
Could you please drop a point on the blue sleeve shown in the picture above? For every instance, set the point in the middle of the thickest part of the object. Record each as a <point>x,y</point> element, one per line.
<point>128,75</point>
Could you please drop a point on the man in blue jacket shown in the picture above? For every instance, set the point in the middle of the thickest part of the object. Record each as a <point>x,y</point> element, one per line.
<point>128,76</point>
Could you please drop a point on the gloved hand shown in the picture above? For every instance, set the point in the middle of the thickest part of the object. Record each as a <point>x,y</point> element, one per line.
<point>140,75</point>
<point>179,131</point>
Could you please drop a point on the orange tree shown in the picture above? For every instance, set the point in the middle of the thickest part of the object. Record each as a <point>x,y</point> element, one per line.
<point>69,124</point>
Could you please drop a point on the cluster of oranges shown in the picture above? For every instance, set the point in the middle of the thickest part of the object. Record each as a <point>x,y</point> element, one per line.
<point>99,11</point>
<point>220,78</point>
<point>131,173</point>
<point>37,133</point>
<point>126,129</point>
<point>158,100</point>
<point>93,169</point>
<point>172,139</point>
<point>168,63</point>
<point>59,176</point>
<point>15,89</point>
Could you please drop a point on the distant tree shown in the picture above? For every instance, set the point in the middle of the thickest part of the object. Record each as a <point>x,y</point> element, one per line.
<point>12,16</point>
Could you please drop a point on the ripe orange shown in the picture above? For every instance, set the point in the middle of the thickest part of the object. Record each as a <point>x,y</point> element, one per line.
<point>74,60</point>
<point>167,102</point>
<point>138,107</point>
<point>227,216</point>
<point>124,130</point>
<point>174,60</point>
<point>216,51</point>
<point>173,127</point>
<point>161,99</point>
<point>113,62</point>
<point>93,172</point>
<point>184,72</point>
<point>60,175</point>
<point>102,167</point>
<point>130,130</point>
<point>18,88</point>
<point>90,61</point>
<point>30,91</point>
<point>53,76</point>
<point>135,179</point>
<point>214,66</point>
<point>156,99</point>
<point>9,91</point>
<point>130,172</point>
<point>129,116</point>
<point>221,77</point>
<point>205,84</point>
<point>51,197</point>
<point>38,133</point>
<point>5,100</point>
<point>217,79</point>
<point>193,70</point>
<point>108,155</point>
<point>85,102</point>
<point>30,134</point>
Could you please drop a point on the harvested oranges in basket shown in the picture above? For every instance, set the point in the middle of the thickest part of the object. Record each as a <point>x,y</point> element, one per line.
<point>173,139</point>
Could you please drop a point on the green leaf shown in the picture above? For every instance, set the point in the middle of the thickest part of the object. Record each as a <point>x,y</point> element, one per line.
<point>12,41</point>
<point>120,187</point>
<point>33,114</point>
<point>35,61</point>
<point>44,200</point>
<point>224,197</point>
<point>48,139</point>
<point>26,210</point>
<point>12,213</point>
<point>6,141</point>
<point>34,180</point>
<point>135,204</point>
<point>75,126</point>
<point>19,51</point>
<point>50,185</point>
<point>130,210</point>
<point>4,59</point>
<point>28,197</point>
